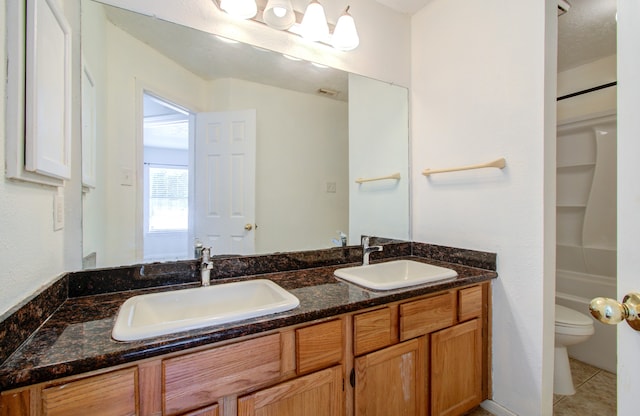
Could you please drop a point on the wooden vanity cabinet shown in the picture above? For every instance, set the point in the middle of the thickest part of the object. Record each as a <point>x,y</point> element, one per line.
<point>316,394</point>
<point>213,410</point>
<point>391,381</point>
<point>460,356</point>
<point>319,346</point>
<point>438,363</point>
<point>456,369</point>
<point>194,380</point>
<point>375,329</point>
<point>423,356</point>
<point>319,389</point>
<point>111,394</point>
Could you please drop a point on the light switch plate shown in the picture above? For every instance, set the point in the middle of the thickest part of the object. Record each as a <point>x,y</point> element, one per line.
<point>58,212</point>
<point>126,177</point>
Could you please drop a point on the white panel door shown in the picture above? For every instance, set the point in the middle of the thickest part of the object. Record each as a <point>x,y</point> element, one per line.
<point>225,181</point>
<point>628,196</point>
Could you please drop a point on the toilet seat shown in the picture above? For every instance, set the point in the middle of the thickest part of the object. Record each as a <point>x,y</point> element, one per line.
<point>570,322</point>
<point>572,327</point>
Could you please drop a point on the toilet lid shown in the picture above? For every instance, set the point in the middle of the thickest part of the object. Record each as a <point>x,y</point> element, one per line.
<point>566,316</point>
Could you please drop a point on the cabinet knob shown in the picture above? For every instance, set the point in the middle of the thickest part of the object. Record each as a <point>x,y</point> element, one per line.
<point>248,227</point>
<point>610,311</point>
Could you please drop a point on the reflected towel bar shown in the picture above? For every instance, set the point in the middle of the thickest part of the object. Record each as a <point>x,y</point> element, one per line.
<point>380,178</point>
<point>498,163</point>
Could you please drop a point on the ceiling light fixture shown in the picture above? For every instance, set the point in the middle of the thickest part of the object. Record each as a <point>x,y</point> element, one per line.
<point>312,25</point>
<point>279,14</point>
<point>241,9</point>
<point>345,36</point>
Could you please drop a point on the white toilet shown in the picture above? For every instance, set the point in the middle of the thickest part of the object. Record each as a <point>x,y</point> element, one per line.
<point>572,327</point>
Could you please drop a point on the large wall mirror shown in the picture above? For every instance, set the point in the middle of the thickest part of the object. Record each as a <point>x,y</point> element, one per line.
<point>191,138</point>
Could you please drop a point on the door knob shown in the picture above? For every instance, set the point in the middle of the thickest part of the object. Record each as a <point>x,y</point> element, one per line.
<point>248,227</point>
<point>610,311</point>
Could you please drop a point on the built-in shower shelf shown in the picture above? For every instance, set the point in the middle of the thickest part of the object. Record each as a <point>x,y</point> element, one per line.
<point>576,166</point>
<point>571,206</point>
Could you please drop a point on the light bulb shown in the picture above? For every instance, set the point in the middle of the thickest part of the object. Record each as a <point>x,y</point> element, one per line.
<point>279,14</point>
<point>314,25</point>
<point>345,36</point>
<point>241,9</point>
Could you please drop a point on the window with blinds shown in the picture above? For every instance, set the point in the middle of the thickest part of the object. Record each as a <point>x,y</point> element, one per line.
<point>168,199</point>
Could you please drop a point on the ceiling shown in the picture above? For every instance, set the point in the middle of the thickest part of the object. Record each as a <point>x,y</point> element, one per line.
<point>405,6</point>
<point>586,32</point>
<point>212,57</point>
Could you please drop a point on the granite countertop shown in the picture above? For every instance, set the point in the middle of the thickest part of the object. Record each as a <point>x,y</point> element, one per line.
<point>76,338</point>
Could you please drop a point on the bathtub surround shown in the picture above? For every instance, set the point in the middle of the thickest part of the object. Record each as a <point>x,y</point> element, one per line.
<point>586,201</point>
<point>76,338</point>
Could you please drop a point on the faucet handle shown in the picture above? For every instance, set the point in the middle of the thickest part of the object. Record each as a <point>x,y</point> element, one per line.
<point>365,241</point>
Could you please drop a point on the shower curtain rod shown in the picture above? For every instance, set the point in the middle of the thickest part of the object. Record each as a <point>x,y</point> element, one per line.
<point>588,90</point>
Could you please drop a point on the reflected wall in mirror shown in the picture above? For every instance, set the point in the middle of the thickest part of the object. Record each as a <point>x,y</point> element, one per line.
<point>254,152</point>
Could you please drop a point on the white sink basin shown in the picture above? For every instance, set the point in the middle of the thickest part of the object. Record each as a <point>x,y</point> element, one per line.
<point>163,313</point>
<point>394,274</point>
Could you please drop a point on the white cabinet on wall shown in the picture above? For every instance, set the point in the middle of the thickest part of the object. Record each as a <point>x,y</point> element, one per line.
<point>38,92</point>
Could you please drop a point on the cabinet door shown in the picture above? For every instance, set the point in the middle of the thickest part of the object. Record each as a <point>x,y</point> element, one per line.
<point>319,346</point>
<point>202,378</point>
<point>316,394</point>
<point>456,369</point>
<point>206,411</point>
<point>111,394</point>
<point>391,381</point>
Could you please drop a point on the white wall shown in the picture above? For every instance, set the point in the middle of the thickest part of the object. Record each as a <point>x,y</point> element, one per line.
<point>378,146</point>
<point>593,74</point>
<point>483,81</point>
<point>31,252</point>
<point>144,69</point>
<point>94,200</point>
<point>297,154</point>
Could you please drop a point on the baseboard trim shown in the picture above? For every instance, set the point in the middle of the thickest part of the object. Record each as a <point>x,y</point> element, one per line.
<point>496,409</point>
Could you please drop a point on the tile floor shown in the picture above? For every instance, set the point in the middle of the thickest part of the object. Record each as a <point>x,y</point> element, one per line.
<point>595,394</point>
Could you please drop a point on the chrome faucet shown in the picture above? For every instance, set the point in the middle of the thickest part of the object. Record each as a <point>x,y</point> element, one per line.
<point>205,266</point>
<point>367,250</point>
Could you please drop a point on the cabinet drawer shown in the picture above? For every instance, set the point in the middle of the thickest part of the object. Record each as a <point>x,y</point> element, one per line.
<point>318,346</point>
<point>469,303</point>
<point>107,394</point>
<point>194,380</point>
<point>374,330</point>
<point>427,315</point>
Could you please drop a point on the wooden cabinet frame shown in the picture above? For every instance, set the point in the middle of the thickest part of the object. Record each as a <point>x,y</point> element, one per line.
<point>222,379</point>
